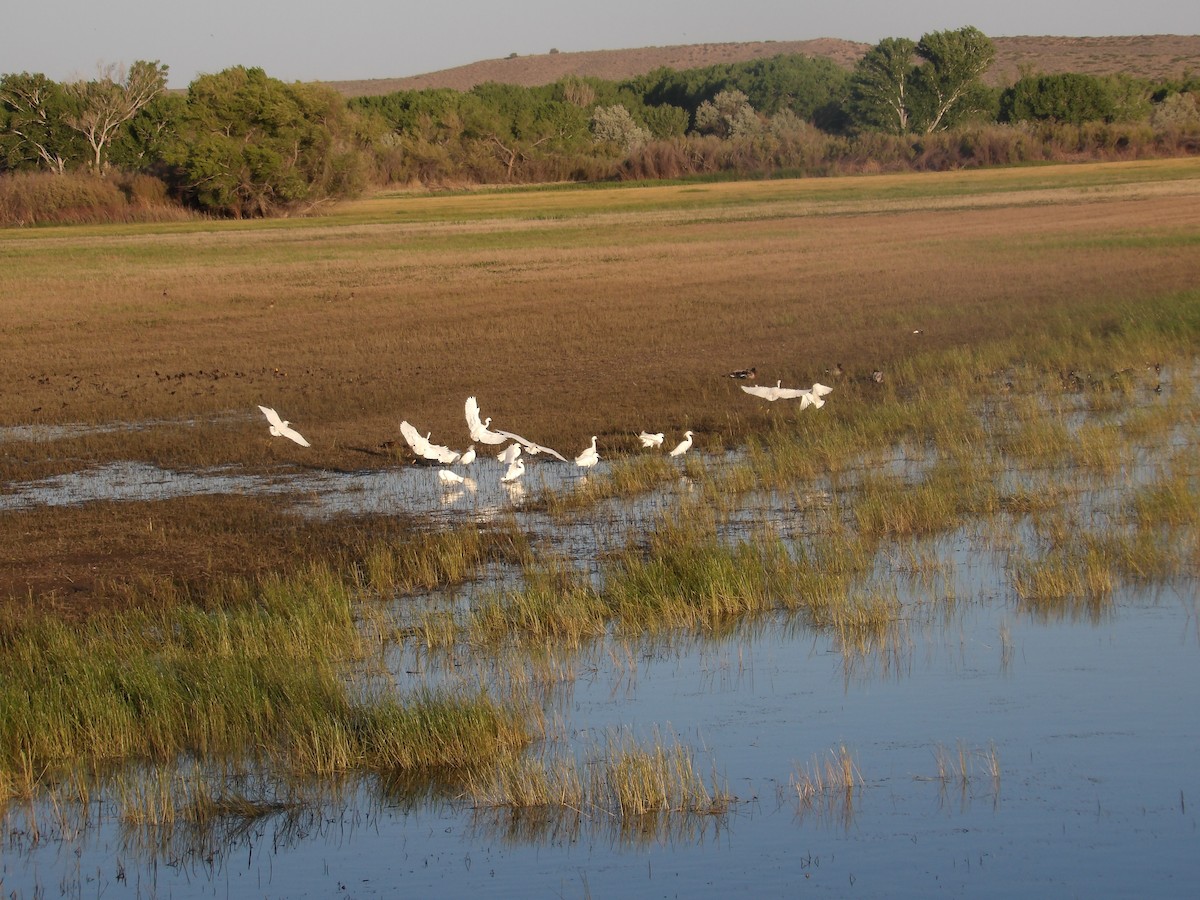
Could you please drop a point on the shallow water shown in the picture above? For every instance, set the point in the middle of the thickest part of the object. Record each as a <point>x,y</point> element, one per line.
<point>1094,721</point>
<point>1095,725</point>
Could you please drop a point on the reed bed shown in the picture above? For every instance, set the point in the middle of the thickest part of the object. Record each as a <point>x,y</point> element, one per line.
<point>618,779</point>
<point>270,681</point>
<point>827,787</point>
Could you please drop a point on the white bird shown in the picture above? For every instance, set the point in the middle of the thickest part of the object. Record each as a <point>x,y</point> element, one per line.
<point>480,431</point>
<point>808,396</point>
<point>767,393</point>
<point>468,456</point>
<point>423,448</point>
<point>509,454</point>
<point>515,470</point>
<point>683,446</point>
<point>279,427</point>
<point>651,440</point>
<point>479,428</point>
<point>448,477</point>
<point>589,457</point>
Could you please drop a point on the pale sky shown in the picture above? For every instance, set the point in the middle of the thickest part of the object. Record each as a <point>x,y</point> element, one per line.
<point>334,40</point>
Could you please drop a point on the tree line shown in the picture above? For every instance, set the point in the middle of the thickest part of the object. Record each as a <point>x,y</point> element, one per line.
<point>240,143</point>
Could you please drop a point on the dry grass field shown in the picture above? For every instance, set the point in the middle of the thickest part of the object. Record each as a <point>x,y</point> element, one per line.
<point>569,312</point>
<point>1143,56</point>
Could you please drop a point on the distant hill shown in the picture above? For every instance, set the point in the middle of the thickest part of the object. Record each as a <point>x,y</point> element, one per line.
<point>1147,56</point>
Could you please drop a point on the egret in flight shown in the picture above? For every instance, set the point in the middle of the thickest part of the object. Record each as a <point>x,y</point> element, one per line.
<point>280,427</point>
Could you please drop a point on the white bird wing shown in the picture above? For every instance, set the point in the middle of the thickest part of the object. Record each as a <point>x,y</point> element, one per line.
<point>293,434</point>
<point>767,393</point>
<point>473,419</point>
<point>530,445</point>
<point>821,390</point>
<point>651,440</point>
<point>790,393</point>
<point>414,438</point>
<point>272,416</point>
<point>509,454</point>
<point>479,431</point>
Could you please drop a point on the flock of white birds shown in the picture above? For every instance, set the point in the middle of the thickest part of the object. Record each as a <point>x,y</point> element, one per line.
<point>482,433</point>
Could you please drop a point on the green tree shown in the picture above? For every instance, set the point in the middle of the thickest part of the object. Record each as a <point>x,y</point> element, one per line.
<point>614,125</point>
<point>949,80</point>
<point>104,106</point>
<point>880,87</point>
<point>1068,97</point>
<point>33,129</point>
<point>252,145</point>
<point>728,115</point>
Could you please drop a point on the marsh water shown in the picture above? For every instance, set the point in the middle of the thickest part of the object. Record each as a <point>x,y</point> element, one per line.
<point>1000,749</point>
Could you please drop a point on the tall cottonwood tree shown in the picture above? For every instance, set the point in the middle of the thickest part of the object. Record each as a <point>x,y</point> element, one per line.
<point>879,87</point>
<point>901,86</point>
<point>950,75</point>
<point>106,104</point>
<point>33,130</point>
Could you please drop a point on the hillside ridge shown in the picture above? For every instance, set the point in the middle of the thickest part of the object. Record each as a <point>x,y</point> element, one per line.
<point>1146,56</point>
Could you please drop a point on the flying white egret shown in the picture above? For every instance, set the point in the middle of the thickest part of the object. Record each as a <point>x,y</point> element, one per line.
<point>509,454</point>
<point>651,440</point>
<point>280,427</point>
<point>683,446</point>
<point>423,448</point>
<point>448,477</point>
<point>808,396</point>
<point>480,431</point>
<point>767,393</point>
<point>468,456</point>
<point>515,470</point>
<point>589,457</point>
<point>479,428</point>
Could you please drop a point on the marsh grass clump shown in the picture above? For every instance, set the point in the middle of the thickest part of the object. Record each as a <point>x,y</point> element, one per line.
<point>828,782</point>
<point>272,680</point>
<point>1070,580</point>
<point>618,777</point>
<point>556,603</point>
<point>948,493</point>
<point>628,476</point>
<point>963,765</point>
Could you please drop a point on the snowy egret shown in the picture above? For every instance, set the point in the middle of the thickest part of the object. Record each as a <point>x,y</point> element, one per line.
<point>767,393</point>
<point>480,431</point>
<point>448,477</point>
<point>683,446</point>
<point>651,440</point>
<point>509,454</point>
<point>589,457</point>
<point>425,449</point>
<point>279,427</point>
<point>515,470</point>
<point>468,456</point>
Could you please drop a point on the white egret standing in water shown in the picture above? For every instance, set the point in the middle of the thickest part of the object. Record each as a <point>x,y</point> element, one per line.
<point>589,457</point>
<point>683,446</point>
<point>515,470</point>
